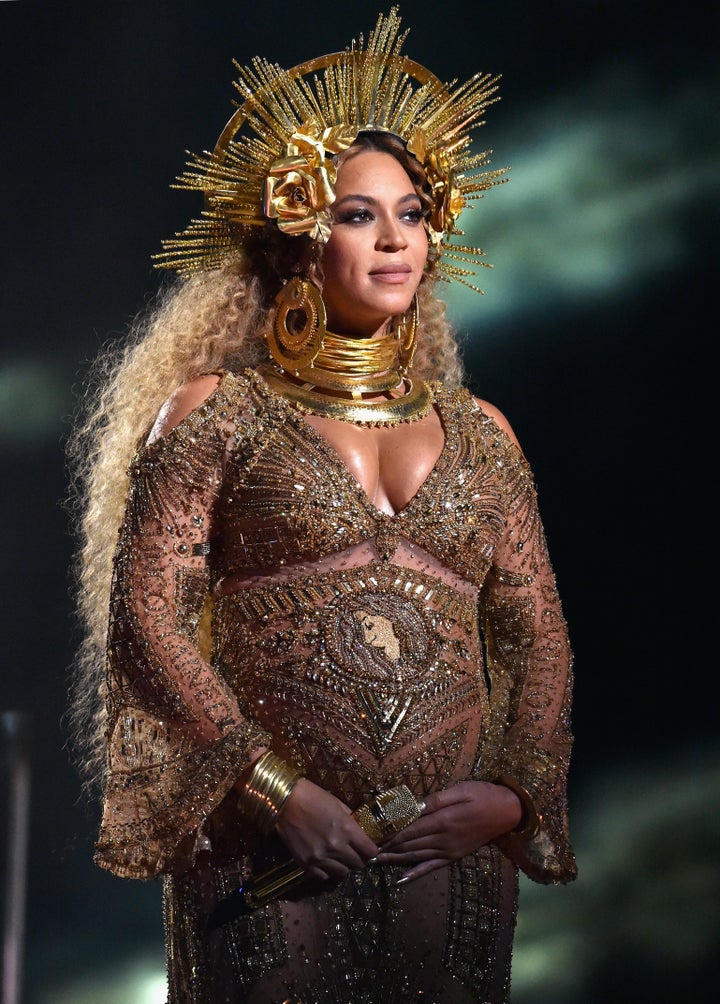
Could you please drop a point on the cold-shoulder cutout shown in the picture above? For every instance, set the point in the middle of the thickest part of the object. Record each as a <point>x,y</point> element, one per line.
<point>183,401</point>
<point>499,419</point>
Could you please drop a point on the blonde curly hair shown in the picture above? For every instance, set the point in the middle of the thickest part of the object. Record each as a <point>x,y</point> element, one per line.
<point>214,321</point>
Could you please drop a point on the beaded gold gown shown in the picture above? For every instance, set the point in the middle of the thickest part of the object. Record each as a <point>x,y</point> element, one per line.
<point>426,647</point>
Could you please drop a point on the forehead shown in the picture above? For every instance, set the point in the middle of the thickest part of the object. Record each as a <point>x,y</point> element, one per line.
<point>372,172</point>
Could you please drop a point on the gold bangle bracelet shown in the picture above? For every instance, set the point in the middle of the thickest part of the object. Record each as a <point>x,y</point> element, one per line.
<point>530,820</point>
<point>265,791</point>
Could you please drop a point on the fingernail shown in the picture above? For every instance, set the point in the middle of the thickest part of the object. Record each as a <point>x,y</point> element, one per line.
<point>371,861</point>
<point>403,879</point>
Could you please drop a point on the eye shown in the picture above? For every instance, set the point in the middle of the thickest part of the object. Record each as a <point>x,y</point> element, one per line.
<point>358,215</point>
<point>414,215</point>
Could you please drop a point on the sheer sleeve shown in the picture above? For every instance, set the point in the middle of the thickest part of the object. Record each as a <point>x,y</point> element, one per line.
<point>529,665</point>
<point>176,740</point>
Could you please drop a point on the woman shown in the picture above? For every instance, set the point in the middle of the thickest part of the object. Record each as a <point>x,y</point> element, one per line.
<point>335,638</point>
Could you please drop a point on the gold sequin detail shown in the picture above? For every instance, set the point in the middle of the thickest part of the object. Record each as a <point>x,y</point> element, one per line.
<point>425,648</point>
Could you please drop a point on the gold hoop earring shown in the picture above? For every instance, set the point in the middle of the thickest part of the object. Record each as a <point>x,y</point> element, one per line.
<point>407,336</point>
<point>298,326</point>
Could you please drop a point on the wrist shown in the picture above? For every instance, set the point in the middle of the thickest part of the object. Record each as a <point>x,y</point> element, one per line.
<point>266,789</point>
<point>530,820</point>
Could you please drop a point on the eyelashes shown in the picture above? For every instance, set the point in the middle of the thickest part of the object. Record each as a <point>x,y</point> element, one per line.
<point>355,216</point>
<point>364,215</point>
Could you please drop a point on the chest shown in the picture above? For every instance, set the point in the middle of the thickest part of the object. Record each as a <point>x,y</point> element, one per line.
<point>296,491</point>
<point>389,463</point>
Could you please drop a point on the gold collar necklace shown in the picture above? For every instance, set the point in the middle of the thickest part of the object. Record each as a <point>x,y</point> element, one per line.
<point>413,404</point>
<point>355,366</point>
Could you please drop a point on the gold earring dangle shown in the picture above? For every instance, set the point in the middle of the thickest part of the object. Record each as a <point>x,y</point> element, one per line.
<point>293,343</point>
<point>407,336</point>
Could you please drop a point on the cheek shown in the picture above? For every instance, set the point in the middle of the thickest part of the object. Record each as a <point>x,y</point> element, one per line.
<point>339,260</point>
<point>332,256</point>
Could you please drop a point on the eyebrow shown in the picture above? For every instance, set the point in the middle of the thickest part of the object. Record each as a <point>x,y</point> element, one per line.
<point>373,201</point>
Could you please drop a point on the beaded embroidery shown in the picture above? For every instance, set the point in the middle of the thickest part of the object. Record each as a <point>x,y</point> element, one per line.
<point>426,647</point>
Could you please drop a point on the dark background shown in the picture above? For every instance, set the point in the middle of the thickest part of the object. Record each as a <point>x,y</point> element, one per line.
<point>593,337</point>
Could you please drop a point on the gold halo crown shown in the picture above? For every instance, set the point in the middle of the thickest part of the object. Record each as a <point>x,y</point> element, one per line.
<point>302,118</point>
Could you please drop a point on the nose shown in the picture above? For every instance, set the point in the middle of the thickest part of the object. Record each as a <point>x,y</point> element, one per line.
<point>391,236</point>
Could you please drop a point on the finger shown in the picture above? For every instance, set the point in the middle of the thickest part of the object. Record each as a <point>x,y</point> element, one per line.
<point>407,857</point>
<point>420,829</point>
<point>432,802</point>
<point>419,842</point>
<point>345,858</point>
<point>422,869</point>
<point>315,872</point>
<point>363,845</point>
<point>355,861</point>
<point>336,870</point>
<point>445,797</point>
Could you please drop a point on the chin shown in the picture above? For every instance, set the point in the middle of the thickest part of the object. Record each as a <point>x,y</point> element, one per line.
<point>393,307</point>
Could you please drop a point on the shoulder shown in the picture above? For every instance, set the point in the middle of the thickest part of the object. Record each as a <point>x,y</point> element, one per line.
<point>497,416</point>
<point>183,401</point>
<point>461,400</point>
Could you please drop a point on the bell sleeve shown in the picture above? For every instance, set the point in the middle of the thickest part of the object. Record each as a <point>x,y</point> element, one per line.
<point>529,667</point>
<point>176,740</point>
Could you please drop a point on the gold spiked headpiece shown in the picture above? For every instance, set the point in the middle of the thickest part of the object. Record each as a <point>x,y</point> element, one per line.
<point>302,118</point>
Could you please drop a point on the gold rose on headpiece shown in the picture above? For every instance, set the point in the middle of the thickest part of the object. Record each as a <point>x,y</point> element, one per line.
<point>299,187</point>
<point>448,201</point>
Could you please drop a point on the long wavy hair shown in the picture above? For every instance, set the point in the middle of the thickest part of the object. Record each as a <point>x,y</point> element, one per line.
<point>210,322</point>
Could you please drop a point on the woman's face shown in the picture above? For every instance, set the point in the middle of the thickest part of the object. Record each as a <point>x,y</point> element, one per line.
<point>374,259</point>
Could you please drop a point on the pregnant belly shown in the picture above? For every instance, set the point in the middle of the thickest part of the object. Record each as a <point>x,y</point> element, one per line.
<point>367,678</point>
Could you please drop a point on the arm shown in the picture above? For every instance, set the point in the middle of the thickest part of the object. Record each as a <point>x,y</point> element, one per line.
<point>529,665</point>
<point>177,742</point>
<point>176,739</point>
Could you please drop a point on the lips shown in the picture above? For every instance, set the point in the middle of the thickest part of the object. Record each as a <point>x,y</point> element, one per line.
<point>397,272</point>
<point>391,269</point>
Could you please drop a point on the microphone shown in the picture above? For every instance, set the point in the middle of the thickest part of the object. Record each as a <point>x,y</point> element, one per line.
<point>389,812</point>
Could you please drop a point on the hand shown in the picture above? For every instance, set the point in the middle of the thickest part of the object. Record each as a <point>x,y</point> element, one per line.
<point>321,834</point>
<point>455,822</point>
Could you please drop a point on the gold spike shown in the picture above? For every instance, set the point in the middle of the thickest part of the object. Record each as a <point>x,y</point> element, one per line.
<point>364,86</point>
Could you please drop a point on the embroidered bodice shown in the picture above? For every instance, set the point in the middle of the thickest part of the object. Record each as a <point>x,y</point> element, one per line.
<point>287,496</point>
